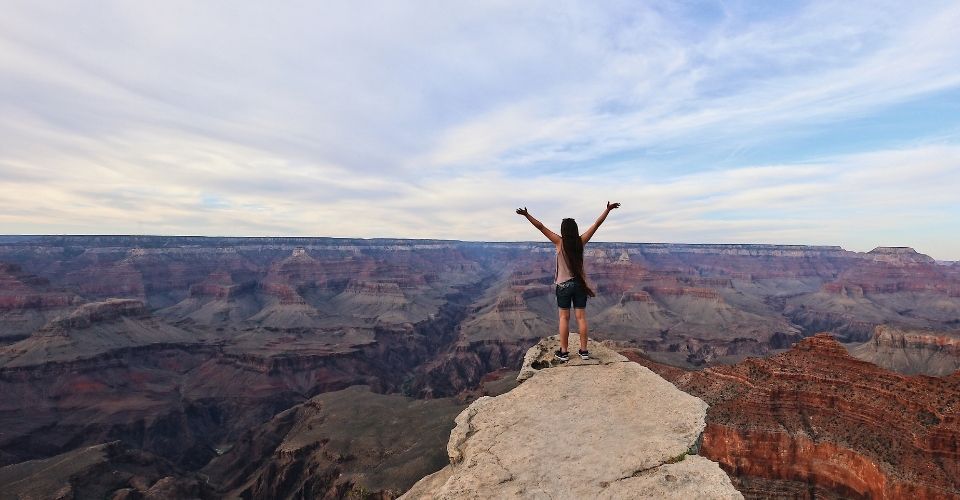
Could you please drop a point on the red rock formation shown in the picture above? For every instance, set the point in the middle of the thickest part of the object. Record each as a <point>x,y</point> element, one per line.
<point>27,302</point>
<point>892,270</point>
<point>385,288</point>
<point>88,314</point>
<point>286,293</point>
<point>220,285</point>
<point>912,351</point>
<point>851,324</point>
<point>301,269</point>
<point>748,262</point>
<point>522,280</point>
<point>37,301</point>
<point>19,290</point>
<point>899,255</point>
<point>641,296</point>
<point>816,418</point>
<point>700,293</point>
<point>463,367</point>
<point>510,303</point>
<point>533,291</point>
<point>516,297</point>
<point>119,279</point>
<point>616,277</point>
<point>708,282</point>
<point>842,289</point>
<point>887,336</point>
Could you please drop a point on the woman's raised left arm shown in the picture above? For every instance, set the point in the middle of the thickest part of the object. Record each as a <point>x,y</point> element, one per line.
<point>552,236</point>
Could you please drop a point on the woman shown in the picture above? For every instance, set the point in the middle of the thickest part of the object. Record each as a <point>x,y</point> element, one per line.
<point>571,280</point>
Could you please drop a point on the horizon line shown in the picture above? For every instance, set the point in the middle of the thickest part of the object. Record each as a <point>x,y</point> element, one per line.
<point>130,235</point>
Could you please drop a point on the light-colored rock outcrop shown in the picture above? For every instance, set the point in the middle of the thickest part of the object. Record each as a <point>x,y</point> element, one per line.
<point>601,428</point>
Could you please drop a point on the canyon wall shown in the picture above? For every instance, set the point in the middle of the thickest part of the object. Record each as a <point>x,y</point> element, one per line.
<point>816,422</point>
<point>912,351</point>
<point>181,346</point>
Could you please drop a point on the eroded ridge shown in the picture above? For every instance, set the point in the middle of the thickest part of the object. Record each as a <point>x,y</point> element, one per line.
<point>816,421</point>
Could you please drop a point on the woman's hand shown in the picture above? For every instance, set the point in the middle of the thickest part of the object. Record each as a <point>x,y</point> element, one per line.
<point>610,206</point>
<point>552,236</point>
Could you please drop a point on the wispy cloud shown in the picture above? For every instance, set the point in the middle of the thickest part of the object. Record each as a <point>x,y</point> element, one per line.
<point>435,120</point>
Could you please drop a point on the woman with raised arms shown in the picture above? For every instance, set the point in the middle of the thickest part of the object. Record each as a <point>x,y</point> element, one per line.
<point>571,279</point>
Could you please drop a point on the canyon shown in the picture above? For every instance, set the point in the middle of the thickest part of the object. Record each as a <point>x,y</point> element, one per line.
<point>231,362</point>
<point>815,422</point>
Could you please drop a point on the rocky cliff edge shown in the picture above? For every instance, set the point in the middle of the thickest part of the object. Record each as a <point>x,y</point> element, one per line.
<point>601,428</point>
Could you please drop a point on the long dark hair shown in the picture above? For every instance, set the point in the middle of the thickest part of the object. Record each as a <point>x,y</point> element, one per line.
<point>573,251</point>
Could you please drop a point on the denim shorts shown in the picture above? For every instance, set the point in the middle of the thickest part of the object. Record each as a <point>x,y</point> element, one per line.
<point>571,291</point>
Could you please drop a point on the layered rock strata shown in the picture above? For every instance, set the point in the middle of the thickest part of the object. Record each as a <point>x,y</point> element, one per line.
<point>218,335</point>
<point>816,422</point>
<point>602,428</point>
<point>912,351</point>
<point>108,470</point>
<point>27,302</point>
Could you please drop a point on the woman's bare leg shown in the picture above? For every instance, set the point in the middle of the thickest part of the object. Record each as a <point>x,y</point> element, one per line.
<point>582,327</point>
<point>564,329</point>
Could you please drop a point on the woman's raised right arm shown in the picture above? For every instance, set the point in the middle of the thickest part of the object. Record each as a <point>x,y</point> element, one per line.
<point>552,236</point>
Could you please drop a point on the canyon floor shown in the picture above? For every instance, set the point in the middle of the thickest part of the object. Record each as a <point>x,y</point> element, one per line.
<point>236,366</point>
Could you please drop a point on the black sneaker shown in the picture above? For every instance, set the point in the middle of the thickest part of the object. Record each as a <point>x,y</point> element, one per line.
<point>583,354</point>
<point>562,356</point>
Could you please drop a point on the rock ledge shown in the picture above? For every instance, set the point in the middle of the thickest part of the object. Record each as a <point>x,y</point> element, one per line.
<point>602,428</point>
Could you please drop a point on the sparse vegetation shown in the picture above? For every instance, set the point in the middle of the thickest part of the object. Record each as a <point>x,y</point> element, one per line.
<point>679,458</point>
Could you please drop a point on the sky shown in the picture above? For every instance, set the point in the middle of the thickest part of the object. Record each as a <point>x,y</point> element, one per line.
<point>821,123</point>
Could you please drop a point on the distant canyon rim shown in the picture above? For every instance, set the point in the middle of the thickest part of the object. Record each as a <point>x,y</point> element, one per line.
<point>209,367</point>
